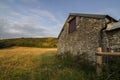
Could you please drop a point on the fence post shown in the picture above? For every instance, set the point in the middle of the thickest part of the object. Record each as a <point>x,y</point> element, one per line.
<point>99,61</point>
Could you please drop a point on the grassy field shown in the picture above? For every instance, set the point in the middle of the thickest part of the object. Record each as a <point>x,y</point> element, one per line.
<point>23,63</point>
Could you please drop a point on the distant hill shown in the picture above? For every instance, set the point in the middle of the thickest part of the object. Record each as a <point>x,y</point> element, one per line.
<point>29,42</point>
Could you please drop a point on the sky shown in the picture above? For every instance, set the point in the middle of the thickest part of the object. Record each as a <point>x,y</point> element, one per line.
<point>45,18</point>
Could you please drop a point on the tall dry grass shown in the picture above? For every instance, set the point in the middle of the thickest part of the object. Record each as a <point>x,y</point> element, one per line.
<point>21,63</point>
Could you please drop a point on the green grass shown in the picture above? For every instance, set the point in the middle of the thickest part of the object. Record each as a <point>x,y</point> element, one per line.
<point>45,66</point>
<point>54,68</point>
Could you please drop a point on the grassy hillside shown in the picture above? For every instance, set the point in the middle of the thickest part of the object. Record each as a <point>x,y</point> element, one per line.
<point>29,42</point>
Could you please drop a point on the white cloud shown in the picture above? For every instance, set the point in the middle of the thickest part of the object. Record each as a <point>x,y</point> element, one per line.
<point>43,13</point>
<point>34,15</point>
<point>28,22</point>
<point>21,30</point>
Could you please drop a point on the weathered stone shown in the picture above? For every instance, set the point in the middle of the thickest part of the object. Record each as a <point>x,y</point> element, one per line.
<point>112,40</point>
<point>86,37</point>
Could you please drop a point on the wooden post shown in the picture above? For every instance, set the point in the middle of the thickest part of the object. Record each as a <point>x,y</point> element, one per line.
<point>99,61</point>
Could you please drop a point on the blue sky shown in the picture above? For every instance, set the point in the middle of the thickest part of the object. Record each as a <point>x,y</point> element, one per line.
<point>45,18</point>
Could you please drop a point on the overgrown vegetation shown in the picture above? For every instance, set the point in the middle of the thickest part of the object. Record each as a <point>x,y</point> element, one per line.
<point>29,42</point>
<point>36,64</point>
<point>111,70</point>
<point>66,67</point>
<point>46,66</point>
<point>81,68</point>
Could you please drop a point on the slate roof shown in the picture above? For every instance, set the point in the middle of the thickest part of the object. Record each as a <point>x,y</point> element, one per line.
<point>101,16</point>
<point>114,26</point>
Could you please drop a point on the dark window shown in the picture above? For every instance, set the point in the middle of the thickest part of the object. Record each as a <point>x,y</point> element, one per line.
<point>72,25</point>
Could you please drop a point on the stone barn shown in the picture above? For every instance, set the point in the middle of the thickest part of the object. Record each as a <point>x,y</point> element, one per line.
<point>84,33</point>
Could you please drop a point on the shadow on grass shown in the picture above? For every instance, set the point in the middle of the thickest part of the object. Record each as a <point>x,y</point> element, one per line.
<point>66,67</point>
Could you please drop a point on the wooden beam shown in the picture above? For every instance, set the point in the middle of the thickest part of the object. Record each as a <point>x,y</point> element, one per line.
<point>99,61</point>
<point>108,53</point>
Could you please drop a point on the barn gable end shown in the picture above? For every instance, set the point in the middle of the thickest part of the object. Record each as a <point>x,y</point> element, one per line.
<point>85,37</point>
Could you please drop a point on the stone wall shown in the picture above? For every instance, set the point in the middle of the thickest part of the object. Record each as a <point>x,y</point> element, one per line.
<point>84,40</point>
<point>113,40</point>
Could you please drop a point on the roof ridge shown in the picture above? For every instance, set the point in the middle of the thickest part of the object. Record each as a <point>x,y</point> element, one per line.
<point>87,14</point>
